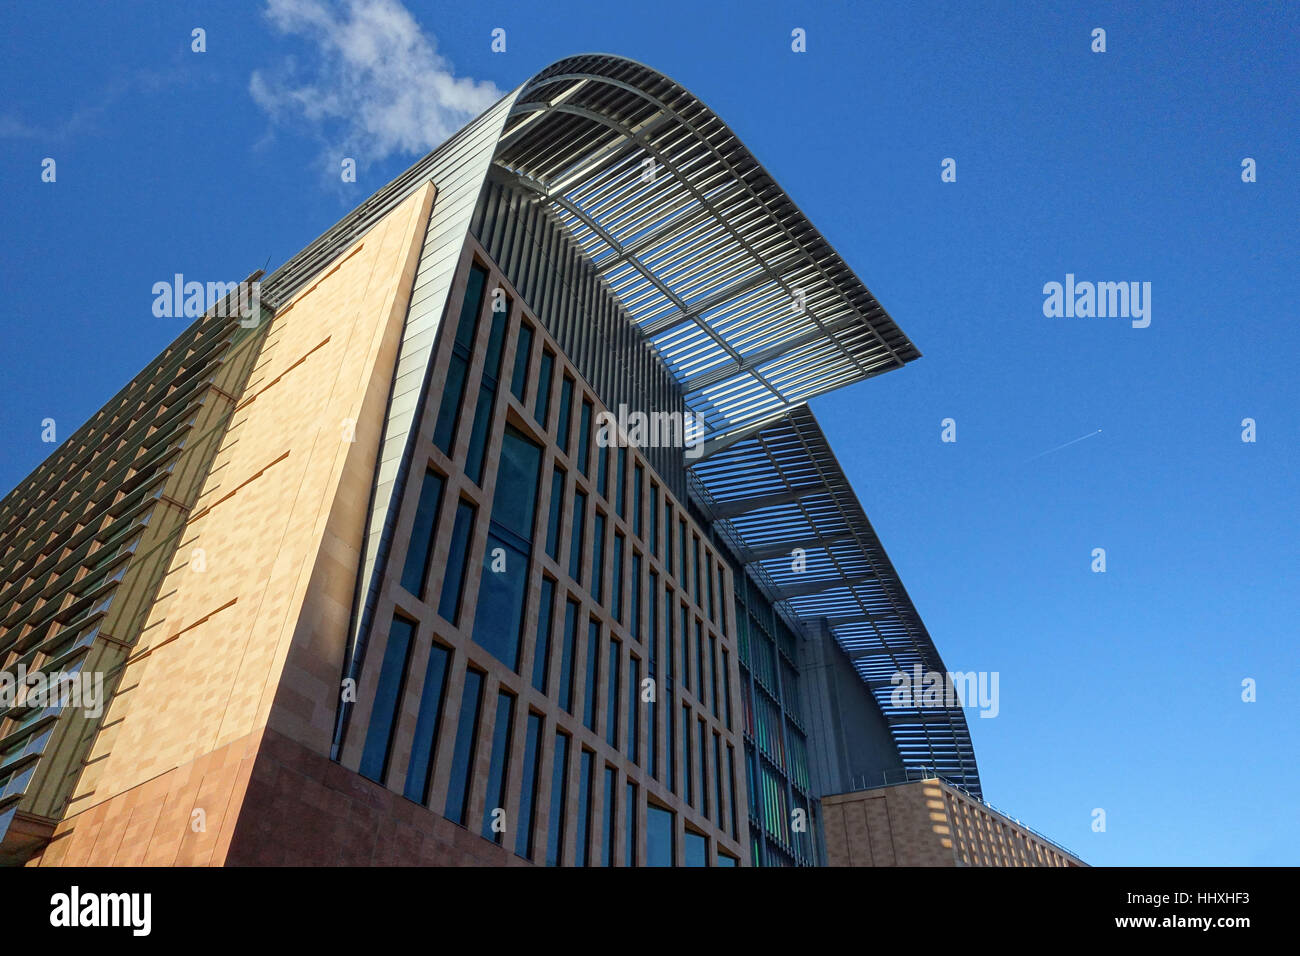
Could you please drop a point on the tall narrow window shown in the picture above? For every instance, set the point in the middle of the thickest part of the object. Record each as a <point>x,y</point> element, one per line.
<point>462,757</point>
<point>568,651</point>
<point>598,558</point>
<point>652,672</point>
<point>528,787</point>
<point>634,709</point>
<point>659,844</point>
<point>584,438</point>
<point>670,725</point>
<point>453,578</point>
<point>616,582</point>
<point>697,849</point>
<point>478,435</point>
<point>629,814</point>
<point>695,568</point>
<point>638,481</point>
<point>654,520</point>
<point>420,547</point>
<point>681,557</point>
<point>544,376</point>
<point>523,350</point>
<point>611,818</point>
<point>702,743</point>
<point>388,694</point>
<point>494,805</point>
<point>566,414</point>
<point>602,467</point>
<point>503,588</point>
<point>593,665</point>
<point>620,478</point>
<point>717,780</point>
<point>731,788</point>
<point>555,514</point>
<point>419,769</point>
<point>612,672</point>
<point>635,584</point>
<point>583,849</point>
<point>542,652</point>
<point>559,796</point>
<point>687,752</point>
<point>575,541</point>
<point>726,685</point>
<point>453,392</point>
<point>713,672</point>
<point>699,664</point>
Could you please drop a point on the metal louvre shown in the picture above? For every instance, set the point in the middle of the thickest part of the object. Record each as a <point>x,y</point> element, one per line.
<point>745,302</point>
<point>781,488</point>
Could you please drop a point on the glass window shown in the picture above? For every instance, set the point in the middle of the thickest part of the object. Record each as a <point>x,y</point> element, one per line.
<point>523,349</point>
<point>583,857</point>
<point>593,665</point>
<point>462,757</point>
<point>713,672</point>
<point>598,558</point>
<point>654,520</point>
<point>634,709</point>
<point>575,542</point>
<point>611,819</point>
<point>697,849</point>
<point>629,813</point>
<point>494,805</point>
<point>717,779</point>
<point>559,796</point>
<point>419,769</point>
<point>444,430</point>
<point>687,752</point>
<point>453,580</point>
<point>726,685</point>
<point>503,588</point>
<point>620,477</point>
<point>476,457</point>
<point>555,514</point>
<point>659,826</point>
<point>568,651</point>
<point>635,584</point>
<point>542,653</point>
<point>566,414</point>
<point>528,787</point>
<point>602,469</point>
<point>612,672</point>
<point>702,741</point>
<point>544,384</point>
<point>616,581</point>
<point>420,546</point>
<point>584,438</point>
<point>731,789</point>
<point>388,694</point>
<point>638,481</point>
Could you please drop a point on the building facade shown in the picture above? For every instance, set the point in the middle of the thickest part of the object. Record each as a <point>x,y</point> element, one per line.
<point>501,535</point>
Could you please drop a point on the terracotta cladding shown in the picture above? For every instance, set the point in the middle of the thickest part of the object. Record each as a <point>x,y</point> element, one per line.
<point>713,612</point>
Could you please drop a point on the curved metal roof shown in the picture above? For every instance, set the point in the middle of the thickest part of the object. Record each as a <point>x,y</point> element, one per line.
<point>781,488</point>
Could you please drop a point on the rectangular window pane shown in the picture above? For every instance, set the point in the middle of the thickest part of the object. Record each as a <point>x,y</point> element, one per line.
<point>629,814</point>
<point>388,694</point>
<point>731,788</point>
<point>620,478</point>
<point>542,653</point>
<point>659,826</point>
<point>419,769</point>
<point>634,709</point>
<point>611,818</point>
<point>544,376</point>
<point>593,664</point>
<point>583,848</point>
<point>420,546</point>
<point>726,685</point>
<point>598,558</point>
<point>697,849</point>
<point>702,745</point>
<point>612,672</point>
<point>575,542</point>
<point>555,515</point>
<point>634,625</point>
<point>687,758</point>
<point>523,349</point>
<point>566,414</point>
<point>528,787</point>
<point>584,438</point>
<point>462,757</point>
<point>638,480</point>
<point>717,779</point>
<point>654,520</point>
<point>498,770</point>
<point>444,431</point>
<point>453,581</point>
<point>559,796</point>
<point>568,652</point>
<point>476,456</point>
<point>713,672</point>
<point>616,581</point>
<point>602,469</point>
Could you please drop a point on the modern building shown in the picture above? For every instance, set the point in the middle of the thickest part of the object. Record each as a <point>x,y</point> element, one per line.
<point>930,822</point>
<point>367,576</point>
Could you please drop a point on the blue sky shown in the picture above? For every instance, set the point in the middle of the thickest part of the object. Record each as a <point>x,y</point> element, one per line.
<point>1119,690</point>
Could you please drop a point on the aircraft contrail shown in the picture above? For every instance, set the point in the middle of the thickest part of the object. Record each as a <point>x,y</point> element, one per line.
<point>1066,445</point>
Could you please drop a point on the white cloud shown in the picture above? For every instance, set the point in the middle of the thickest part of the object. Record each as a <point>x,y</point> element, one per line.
<point>376,85</point>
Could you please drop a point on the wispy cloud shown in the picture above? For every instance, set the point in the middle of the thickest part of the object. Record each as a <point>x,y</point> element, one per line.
<point>375,85</point>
